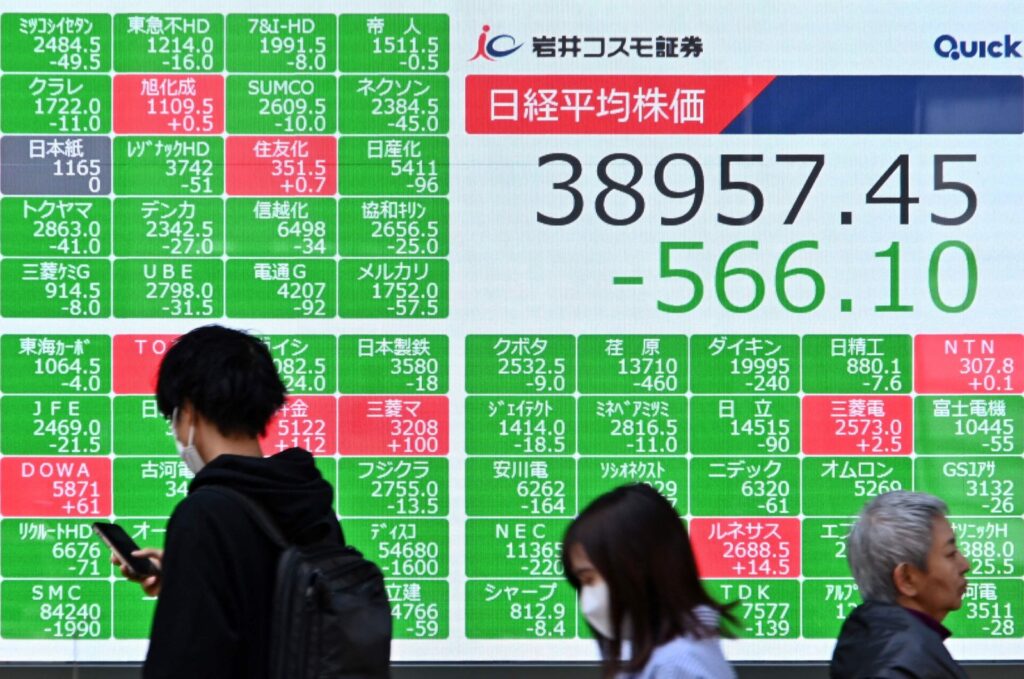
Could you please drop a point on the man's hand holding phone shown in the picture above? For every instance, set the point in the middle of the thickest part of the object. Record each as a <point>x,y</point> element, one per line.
<point>150,583</point>
<point>139,565</point>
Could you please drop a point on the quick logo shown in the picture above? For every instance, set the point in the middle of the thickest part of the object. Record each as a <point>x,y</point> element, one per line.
<point>948,47</point>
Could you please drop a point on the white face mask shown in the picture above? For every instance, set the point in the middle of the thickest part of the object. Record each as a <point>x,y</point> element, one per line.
<point>597,608</point>
<point>189,453</point>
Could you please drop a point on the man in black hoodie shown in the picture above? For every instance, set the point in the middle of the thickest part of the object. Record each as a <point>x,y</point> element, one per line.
<point>219,388</point>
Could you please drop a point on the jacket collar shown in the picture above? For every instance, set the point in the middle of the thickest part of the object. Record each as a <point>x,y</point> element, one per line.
<point>931,623</point>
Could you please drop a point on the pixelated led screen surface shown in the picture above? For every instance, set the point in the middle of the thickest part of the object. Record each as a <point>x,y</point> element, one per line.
<point>764,258</point>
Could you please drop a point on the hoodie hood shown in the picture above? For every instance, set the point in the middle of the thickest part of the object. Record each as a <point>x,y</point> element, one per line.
<point>288,485</point>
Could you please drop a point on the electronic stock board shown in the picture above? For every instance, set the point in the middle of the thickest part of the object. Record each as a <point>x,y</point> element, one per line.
<point>764,256</point>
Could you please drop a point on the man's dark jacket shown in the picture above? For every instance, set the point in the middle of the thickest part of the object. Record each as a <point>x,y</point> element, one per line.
<point>213,615</point>
<point>888,642</point>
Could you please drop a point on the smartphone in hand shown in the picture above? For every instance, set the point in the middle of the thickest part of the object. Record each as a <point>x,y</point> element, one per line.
<point>122,545</point>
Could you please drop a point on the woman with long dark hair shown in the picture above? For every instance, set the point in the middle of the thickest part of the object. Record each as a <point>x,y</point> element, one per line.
<point>629,557</point>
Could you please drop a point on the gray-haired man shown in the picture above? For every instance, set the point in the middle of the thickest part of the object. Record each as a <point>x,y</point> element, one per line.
<point>904,557</point>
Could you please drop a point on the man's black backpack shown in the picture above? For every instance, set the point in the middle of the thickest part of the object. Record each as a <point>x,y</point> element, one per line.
<point>331,614</point>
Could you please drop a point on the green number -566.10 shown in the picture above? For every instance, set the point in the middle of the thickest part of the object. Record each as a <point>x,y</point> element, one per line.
<point>801,289</point>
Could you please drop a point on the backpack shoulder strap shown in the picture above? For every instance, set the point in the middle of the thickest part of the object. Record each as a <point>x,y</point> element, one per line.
<point>255,511</point>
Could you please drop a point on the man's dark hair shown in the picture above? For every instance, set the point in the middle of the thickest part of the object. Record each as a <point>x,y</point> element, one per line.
<point>227,375</point>
<point>638,543</point>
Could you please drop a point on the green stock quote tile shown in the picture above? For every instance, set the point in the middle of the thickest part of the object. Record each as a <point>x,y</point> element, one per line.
<point>973,486</point>
<point>764,609</point>
<point>991,545</point>
<point>402,548</point>
<point>55,288</point>
<point>38,42</point>
<point>393,104</point>
<point>55,609</point>
<point>393,487</point>
<point>149,486</point>
<point>133,618</point>
<point>745,425</point>
<point>826,605</point>
<point>282,43</point>
<point>520,425</point>
<point>745,364</point>
<point>162,288</point>
<point>140,429</point>
<point>393,364</point>
<point>633,364</point>
<point>857,364</point>
<point>393,288</point>
<point>419,608</point>
<point>967,425</point>
<point>520,609</point>
<point>505,548</point>
<point>394,227</point>
<point>51,548</point>
<point>169,43</point>
<point>667,475</point>
<point>281,227</point>
<point>521,487</point>
<point>307,364</point>
<point>520,364</point>
<point>992,609</point>
<point>55,425</point>
<point>147,532</point>
<point>55,364</point>
<point>168,227</point>
<point>393,43</point>
<point>823,549</point>
<point>750,486</point>
<point>171,166</point>
<point>55,104</point>
<point>278,288</point>
<point>841,486</point>
<point>133,610</point>
<point>393,166</point>
<point>54,227</point>
<point>278,104</point>
<point>633,425</point>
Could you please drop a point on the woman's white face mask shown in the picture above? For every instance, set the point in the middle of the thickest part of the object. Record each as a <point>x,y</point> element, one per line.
<point>597,607</point>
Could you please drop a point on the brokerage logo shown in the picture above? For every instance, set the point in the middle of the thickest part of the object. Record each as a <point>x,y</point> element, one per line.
<point>948,47</point>
<point>498,47</point>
